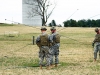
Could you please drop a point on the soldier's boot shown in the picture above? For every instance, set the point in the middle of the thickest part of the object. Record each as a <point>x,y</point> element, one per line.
<point>94,60</point>
<point>40,66</point>
<point>51,66</point>
<point>48,67</point>
<point>56,65</point>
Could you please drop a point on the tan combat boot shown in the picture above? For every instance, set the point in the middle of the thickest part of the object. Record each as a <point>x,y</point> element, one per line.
<point>56,65</point>
<point>48,67</point>
<point>51,66</point>
<point>40,66</point>
<point>94,60</point>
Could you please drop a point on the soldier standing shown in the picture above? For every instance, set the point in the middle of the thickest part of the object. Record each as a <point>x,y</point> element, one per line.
<point>96,43</point>
<point>42,42</point>
<point>54,49</point>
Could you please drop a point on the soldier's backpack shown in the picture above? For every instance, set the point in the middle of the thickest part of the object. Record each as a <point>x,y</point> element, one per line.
<point>56,38</point>
<point>44,40</point>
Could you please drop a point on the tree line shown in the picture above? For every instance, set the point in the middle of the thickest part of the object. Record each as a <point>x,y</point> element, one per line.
<point>82,23</point>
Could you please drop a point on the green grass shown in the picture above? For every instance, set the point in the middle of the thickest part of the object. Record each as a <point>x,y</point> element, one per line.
<point>66,64</point>
<point>19,37</point>
<point>4,24</point>
<point>76,53</point>
<point>18,61</point>
<point>95,68</point>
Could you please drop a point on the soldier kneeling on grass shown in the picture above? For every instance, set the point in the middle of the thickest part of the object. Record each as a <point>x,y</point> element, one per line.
<point>42,42</point>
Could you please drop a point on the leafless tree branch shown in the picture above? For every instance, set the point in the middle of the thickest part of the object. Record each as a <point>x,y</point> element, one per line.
<point>40,8</point>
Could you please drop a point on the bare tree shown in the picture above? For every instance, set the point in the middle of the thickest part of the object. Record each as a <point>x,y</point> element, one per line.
<point>42,8</point>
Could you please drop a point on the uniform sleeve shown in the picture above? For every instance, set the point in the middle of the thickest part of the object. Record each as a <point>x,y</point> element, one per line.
<point>38,39</point>
<point>96,38</point>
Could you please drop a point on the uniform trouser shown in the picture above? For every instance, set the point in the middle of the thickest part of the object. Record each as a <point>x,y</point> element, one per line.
<point>54,51</point>
<point>96,49</point>
<point>44,53</point>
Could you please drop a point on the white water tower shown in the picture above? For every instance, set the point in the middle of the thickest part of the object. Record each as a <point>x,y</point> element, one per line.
<point>32,21</point>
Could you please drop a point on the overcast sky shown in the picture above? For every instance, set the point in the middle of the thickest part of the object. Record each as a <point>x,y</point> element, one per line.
<point>65,10</point>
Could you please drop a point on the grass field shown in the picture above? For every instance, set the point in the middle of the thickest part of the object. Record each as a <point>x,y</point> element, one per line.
<point>18,55</point>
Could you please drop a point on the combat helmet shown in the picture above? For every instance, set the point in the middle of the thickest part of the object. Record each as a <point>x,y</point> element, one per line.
<point>52,28</point>
<point>43,28</point>
<point>96,29</point>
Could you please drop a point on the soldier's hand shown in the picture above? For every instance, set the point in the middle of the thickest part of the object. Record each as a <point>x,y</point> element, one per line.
<point>93,44</point>
<point>50,44</point>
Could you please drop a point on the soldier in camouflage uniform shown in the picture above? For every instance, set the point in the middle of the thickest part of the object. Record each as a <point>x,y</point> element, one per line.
<point>42,42</point>
<point>54,49</point>
<point>96,43</point>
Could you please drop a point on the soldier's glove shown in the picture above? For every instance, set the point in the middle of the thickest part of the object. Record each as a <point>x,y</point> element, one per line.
<point>93,44</point>
<point>38,44</point>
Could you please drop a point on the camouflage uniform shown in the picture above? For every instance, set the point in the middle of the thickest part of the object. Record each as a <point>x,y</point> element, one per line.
<point>96,49</point>
<point>54,49</point>
<point>96,43</point>
<point>44,51</point>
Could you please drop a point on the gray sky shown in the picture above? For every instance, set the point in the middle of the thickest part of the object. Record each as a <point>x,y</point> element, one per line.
<point>65,10</point>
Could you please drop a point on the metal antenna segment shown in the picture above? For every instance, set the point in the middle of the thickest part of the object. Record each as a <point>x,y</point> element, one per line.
<point>72,14</point>
<point>94,16</point>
